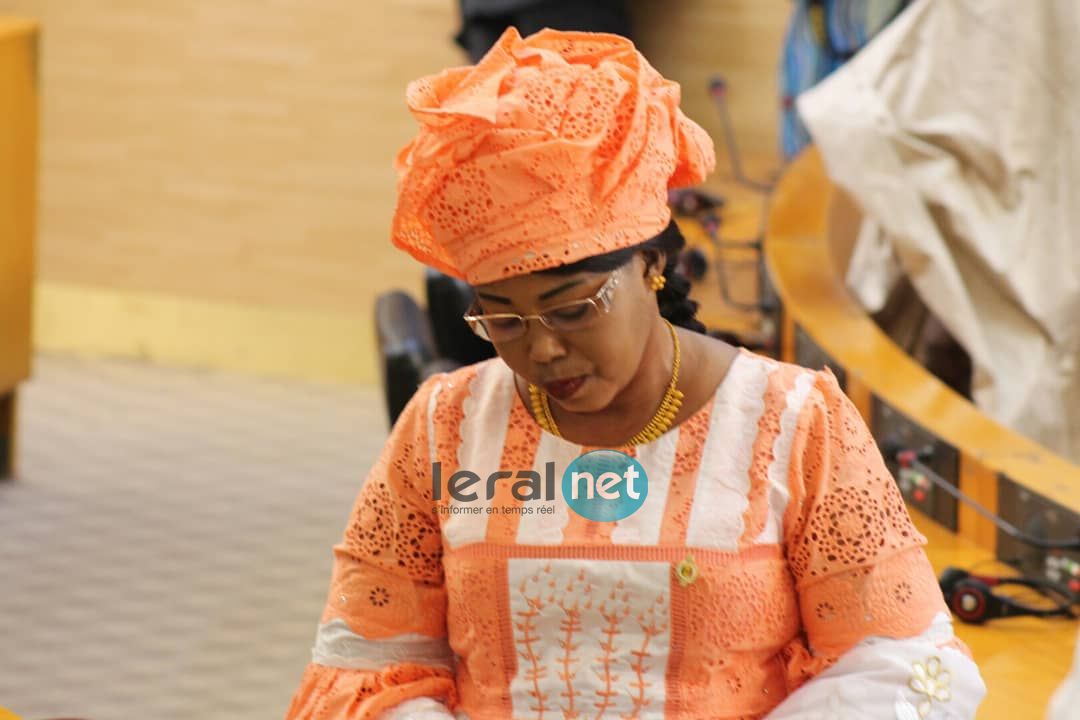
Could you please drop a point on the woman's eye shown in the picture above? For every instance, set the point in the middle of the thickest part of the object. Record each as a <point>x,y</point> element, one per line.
<point>573,312</point>
<point>503,323</point>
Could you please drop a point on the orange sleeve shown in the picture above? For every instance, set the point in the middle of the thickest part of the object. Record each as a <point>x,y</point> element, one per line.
<point>382,635</point>
<point>857,558</point>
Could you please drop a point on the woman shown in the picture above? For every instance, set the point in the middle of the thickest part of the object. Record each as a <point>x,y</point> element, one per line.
<point>769,566</point>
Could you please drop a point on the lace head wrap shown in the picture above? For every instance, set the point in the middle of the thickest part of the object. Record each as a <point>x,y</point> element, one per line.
<point>552,148</point>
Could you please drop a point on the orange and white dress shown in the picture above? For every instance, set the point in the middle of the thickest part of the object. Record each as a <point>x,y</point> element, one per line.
<point>772,570</point>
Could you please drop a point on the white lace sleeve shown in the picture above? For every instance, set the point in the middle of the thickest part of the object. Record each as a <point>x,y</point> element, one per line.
<point>417,709</point>
<point>918,678</point>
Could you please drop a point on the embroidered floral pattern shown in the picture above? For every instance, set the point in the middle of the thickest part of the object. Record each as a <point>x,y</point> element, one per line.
<point>931,680</point>
<point>528,636</point>
<point>379,596</point>
<point>588,644</point>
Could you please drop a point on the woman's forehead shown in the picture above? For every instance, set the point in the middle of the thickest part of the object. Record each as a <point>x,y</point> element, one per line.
<point>539,285</point>
<point>539,282</point>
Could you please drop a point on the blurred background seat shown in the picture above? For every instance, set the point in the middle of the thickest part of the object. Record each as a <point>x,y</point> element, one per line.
<point>414,343</point>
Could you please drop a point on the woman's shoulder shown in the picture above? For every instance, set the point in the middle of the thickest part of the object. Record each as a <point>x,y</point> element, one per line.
<point>785,396</point>
<point>457,385</point>
<point>751,371</point>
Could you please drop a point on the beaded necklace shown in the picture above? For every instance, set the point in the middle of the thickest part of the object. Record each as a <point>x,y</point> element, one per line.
<point>657,426</point>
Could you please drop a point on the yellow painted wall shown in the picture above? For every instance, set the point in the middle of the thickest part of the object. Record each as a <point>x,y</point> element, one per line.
<point>232,158</point>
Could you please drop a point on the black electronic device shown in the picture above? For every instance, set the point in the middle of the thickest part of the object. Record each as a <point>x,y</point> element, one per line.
<point>973,599</point>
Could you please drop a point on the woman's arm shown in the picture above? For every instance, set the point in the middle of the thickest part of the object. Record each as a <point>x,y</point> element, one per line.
<point>381,640</point>
<point>878,638</point>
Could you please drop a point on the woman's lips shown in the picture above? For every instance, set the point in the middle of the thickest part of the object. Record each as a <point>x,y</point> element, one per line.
<point>563,389</point>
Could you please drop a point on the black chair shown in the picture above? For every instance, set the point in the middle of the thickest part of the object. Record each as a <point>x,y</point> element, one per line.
<point>403,338</point>
<point>414,344</point>
<point>447,300</point>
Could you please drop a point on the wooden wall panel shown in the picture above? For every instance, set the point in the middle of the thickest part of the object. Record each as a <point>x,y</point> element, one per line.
<point>234,150</point>
<point>240,152</point>
<point>691,40</point>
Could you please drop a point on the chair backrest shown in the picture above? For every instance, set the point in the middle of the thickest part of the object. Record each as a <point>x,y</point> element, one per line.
<point>447,300</point>
<point>405,345</point>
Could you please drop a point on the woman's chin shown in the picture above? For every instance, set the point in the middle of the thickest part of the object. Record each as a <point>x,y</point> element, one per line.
<point>586,400</point>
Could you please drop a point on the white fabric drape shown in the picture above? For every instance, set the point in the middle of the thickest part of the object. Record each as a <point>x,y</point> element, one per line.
<point>956,130</point>
<point>917,678</point>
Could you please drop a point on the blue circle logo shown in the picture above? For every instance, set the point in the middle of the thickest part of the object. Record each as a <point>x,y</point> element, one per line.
<point>605,485</point>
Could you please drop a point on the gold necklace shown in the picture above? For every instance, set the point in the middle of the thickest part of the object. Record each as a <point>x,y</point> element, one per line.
<point>657,426</point>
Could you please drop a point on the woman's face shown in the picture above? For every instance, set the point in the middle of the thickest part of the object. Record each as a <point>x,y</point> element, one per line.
<point>582,370</point>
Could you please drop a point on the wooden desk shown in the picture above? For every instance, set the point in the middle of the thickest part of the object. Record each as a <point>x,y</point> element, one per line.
<point>1022,660</point>
<point>18,202</point>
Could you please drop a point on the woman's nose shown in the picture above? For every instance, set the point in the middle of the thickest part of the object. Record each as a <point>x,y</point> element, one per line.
<point>545,345</point>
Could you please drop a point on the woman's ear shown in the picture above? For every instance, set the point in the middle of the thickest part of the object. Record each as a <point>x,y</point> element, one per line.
<point>655,261</point>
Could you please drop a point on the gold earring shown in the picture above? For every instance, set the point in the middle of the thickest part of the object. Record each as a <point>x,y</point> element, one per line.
<point>658,282</point>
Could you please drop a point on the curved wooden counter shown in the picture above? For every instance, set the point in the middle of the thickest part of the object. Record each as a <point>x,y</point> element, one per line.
<point>1022,659</point>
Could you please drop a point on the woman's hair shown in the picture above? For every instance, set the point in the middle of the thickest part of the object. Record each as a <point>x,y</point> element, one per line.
<point>675,303</point>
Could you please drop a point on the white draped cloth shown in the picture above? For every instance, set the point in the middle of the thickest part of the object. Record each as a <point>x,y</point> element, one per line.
<point>956,131</point>
<point>1065,704</point>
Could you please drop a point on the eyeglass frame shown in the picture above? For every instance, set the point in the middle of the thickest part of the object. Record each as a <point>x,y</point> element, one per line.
<point>601,300</point>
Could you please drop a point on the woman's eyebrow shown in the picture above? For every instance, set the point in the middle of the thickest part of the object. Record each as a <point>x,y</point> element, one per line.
<point>559,289</point>
<point>493,298</point>
<point>543,296</point>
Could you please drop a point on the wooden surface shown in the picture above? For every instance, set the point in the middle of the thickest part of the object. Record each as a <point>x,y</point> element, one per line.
<point>315,345</point>
<point>1022,660</point>
<point>237,151</point>
<point>691,41</point>
<point>18,165</point>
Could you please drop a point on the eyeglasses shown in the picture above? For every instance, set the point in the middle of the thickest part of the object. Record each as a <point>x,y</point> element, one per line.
<point>568,317</point>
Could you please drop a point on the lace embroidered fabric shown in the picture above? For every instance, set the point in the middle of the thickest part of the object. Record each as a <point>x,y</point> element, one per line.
<point>552,148</point>
<point>851,545</point>
<point>338,646</point>
<point>582,622</point>
<point>332,693</point>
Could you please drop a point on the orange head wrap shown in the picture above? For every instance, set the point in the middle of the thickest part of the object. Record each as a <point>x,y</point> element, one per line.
<point>551,149</point>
